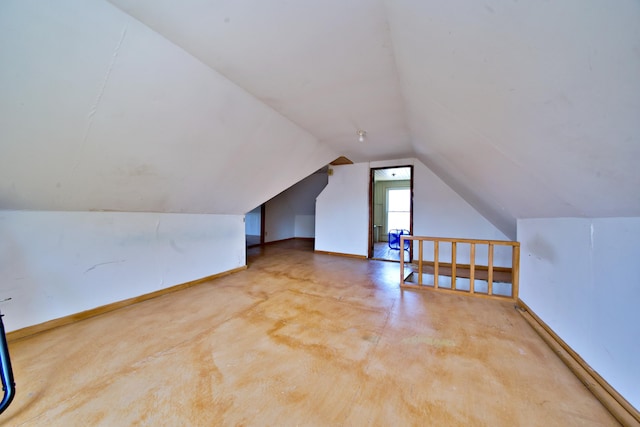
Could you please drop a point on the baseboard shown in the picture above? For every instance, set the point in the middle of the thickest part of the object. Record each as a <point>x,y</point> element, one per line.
<point>306,239</point>
<point>615,403</point>
<point>72,318</point>
<point>341,254</point>
<point>273,242</point>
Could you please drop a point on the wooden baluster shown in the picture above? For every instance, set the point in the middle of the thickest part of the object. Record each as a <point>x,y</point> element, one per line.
<point>515,264</point>
<point>453,265</point>
<point>435,264</point>
<point>490,272</point>
<point>472,267</point>
<point>420,261</point>
<point>401,265</point>
<point>515,271</point>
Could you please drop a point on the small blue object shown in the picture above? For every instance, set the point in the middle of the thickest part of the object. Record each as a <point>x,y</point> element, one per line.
<point>394,239</point>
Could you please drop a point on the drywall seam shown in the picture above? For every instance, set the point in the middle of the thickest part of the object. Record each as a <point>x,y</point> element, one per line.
<point>94,107</point>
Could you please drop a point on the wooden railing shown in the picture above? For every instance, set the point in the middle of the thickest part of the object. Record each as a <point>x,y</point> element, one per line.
<point>490,280</point>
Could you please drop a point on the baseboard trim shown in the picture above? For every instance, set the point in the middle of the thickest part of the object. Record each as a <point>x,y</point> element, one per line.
<point>72,318</point>
<point>341,254</point>
<point>615,403</point>
<point>273,242</point>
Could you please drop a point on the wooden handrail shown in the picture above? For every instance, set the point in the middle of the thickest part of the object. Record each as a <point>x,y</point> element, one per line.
<point>457,269</point>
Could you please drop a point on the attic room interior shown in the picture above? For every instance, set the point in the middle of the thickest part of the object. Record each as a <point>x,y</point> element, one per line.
<point>142,141</point>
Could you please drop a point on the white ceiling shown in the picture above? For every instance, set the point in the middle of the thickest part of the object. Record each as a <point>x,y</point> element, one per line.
<point>327,65</point>
<point>392,174</point>
<point>525,108</point>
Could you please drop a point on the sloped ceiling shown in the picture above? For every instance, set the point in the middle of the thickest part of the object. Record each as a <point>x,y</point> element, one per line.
<point>99,112</point>
<point>526,109</point>
<point>327,65</point>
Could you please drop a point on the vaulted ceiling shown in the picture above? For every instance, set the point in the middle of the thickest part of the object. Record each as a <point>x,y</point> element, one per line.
<point>525,108</point>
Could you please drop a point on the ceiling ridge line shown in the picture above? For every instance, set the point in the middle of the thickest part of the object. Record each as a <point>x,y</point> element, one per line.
<point>401,89</point>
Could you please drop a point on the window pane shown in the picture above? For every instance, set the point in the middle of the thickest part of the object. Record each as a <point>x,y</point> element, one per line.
<point>399,200</point>
<point>398,220</point>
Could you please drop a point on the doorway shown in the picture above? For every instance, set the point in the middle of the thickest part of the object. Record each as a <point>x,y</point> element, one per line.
<point>254,226</point>
<point>390,212</point>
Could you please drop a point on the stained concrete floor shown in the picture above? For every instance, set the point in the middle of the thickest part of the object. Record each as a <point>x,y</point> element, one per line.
<point>299,339</point>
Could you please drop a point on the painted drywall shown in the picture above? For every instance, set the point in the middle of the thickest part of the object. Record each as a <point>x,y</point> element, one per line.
<point>526,109</point>
<point>305,226</point>
<point>581,277</point>
<point>99,112</point>
<point>438,211</point>
<point>279,220</point>
<point>292,212</point>
<point>441,212</point>
<point>253,221</point>
<point>55,264</point>
<point>327,65</point>
<point>342,211</point>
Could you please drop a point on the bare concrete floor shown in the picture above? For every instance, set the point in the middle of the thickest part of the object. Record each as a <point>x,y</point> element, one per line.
<point>299,339</point>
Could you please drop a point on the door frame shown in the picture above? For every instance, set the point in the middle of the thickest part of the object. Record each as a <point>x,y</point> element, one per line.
<point>371,207</point>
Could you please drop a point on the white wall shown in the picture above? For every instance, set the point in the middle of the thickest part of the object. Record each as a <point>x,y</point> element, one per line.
<point>253,221</point>
<point>279,220</point>
<point>509,82</point>
<point>305,226</point>
<point>342,211</point>
<point>342,217</point>
<point>54,264</point>
<point>99,112</point>
<point>292,212</point>
<point>439,211</point>
<point>581,277</point>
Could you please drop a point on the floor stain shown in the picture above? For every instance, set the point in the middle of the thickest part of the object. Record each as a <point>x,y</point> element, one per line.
<point>299,339</point>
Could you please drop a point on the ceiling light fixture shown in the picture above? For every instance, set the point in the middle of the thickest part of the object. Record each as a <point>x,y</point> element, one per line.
<point>361,135</point>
